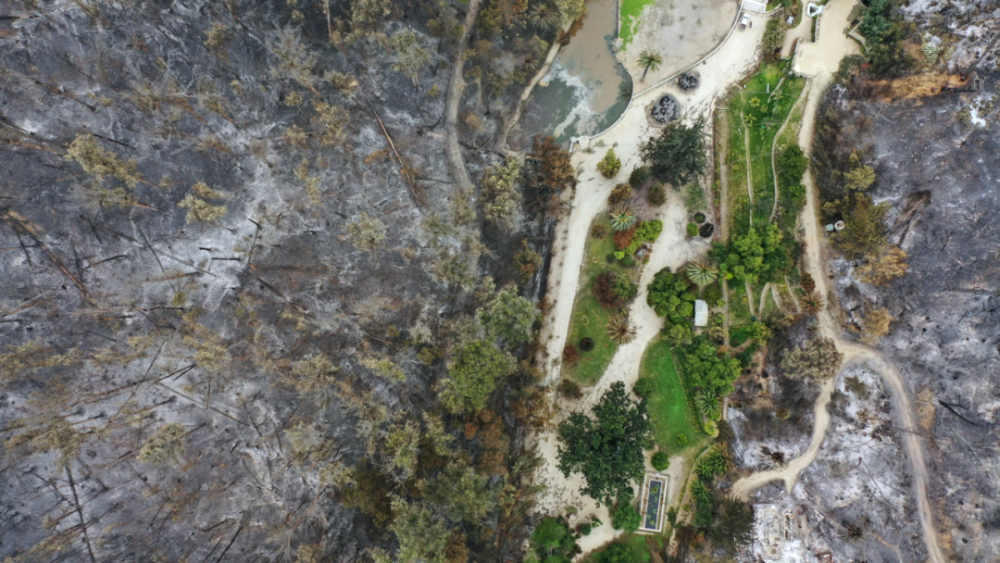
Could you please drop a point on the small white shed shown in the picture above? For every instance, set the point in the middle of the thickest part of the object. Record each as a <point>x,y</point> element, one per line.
<point>754,6</point>
<point>700,313</point>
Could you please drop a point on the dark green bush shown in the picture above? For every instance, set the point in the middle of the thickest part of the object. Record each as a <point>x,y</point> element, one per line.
<point>638,177</point>
<point>586,344</point>
<point>657,194</point>
<point>692,229</point>
<point>644,387</point>
<point>660,461</point>
<point>626,517</point>
<point>699,217</point>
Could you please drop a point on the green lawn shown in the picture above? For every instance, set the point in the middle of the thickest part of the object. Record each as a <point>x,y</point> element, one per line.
<point>750,112</point>
<point>590,317</point>
<point>630,10</point>
<point>670,409</point>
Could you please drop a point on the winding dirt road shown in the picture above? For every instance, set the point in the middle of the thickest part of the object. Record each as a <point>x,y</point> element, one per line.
<point>820,60</point>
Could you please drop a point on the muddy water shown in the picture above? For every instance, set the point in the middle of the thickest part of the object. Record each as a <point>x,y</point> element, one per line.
<point>582,93</point>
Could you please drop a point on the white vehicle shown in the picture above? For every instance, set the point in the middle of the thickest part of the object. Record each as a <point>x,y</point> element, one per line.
<point>745,22</point>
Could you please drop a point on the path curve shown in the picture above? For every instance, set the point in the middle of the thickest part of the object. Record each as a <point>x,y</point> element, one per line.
<point>820,60</point>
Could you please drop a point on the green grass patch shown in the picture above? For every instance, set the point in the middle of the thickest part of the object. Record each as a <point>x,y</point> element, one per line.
<point>755,112</point>
<point>629,15</point>
<point>739,309</point>
<point>590,317</point>
<point>670,408</point>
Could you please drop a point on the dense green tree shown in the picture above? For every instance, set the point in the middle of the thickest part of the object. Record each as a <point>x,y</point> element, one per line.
<point>865,230</point>
<point>607,449</point>
<point>552,541</point>
<point>757,255</point>
<point>710,370</point>
<point>669,295</point>
<point>618,553</point>
<point>677,156</point>
<point>774,35</point>
<point>792,165</point>
<point>510,317</point>
<point>626,517</point>
<point>660,461</point>
<point>473,375</point>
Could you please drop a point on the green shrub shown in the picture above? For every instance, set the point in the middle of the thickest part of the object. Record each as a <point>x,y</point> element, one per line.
<point>626,517</point>
<point>586,344</point>
<point>617,553</point>
<point>692,229</point>
<point>609,165</point>
<point>681,439</point>
<point>792,165</point>
<point>584,529</point>
<point>628,261</point>
<point>657,194</point>
<point>712,295</point>
<point>639,177</point>
<point>699,217</point>
<point>644,387</point>
<point>620,194</point>
<point>660,461</point>
<point>648,231</point>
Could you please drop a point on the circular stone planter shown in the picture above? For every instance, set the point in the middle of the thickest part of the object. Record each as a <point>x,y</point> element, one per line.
<point>706,230</point>
<point>664,110</point>
<point>688,81</point>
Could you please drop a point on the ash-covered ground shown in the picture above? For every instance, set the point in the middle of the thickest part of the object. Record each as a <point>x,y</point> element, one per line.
<point>943,167</point>
<point>854,501</point>
<point>243,265</point>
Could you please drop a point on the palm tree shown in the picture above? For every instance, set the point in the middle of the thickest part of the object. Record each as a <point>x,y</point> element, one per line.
<point>543,17</point>
<point>622,219</point>
<point>621,330</point>
<point>707,402</point>
<point>701,273</point>
<point>649,60</point>
<point>812,303</point>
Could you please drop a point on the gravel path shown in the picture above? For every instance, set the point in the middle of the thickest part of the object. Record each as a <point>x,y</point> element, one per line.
<point>726,67</point>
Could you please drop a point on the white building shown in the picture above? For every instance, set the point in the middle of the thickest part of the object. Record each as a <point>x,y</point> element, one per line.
<point>700,313</point>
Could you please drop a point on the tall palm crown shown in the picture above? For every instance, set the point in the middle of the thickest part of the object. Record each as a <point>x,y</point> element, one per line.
<point>701,273</point>
<point>622,219</point>
<point>649,60</point>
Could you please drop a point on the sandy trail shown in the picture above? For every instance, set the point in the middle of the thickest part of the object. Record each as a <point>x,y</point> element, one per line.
<point>726,67</point>
<point>820,60</point>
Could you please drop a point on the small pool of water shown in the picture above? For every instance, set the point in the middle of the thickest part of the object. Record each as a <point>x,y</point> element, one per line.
<point>587,89</point>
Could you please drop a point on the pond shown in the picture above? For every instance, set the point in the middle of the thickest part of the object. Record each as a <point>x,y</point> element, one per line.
<point>587,89</point>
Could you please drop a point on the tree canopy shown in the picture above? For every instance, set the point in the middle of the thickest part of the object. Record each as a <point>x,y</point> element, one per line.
<point>818,359</point>
<point>757,255</point>
<point>477,368</point>
<point>710,370</point>
<point>677,156</point>
<point>607,449</point>
<point>669,295</point>
<point>509,317</point>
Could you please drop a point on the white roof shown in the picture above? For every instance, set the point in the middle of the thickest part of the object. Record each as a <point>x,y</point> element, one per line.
<point>755,6</point>
<point>700,313</point>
